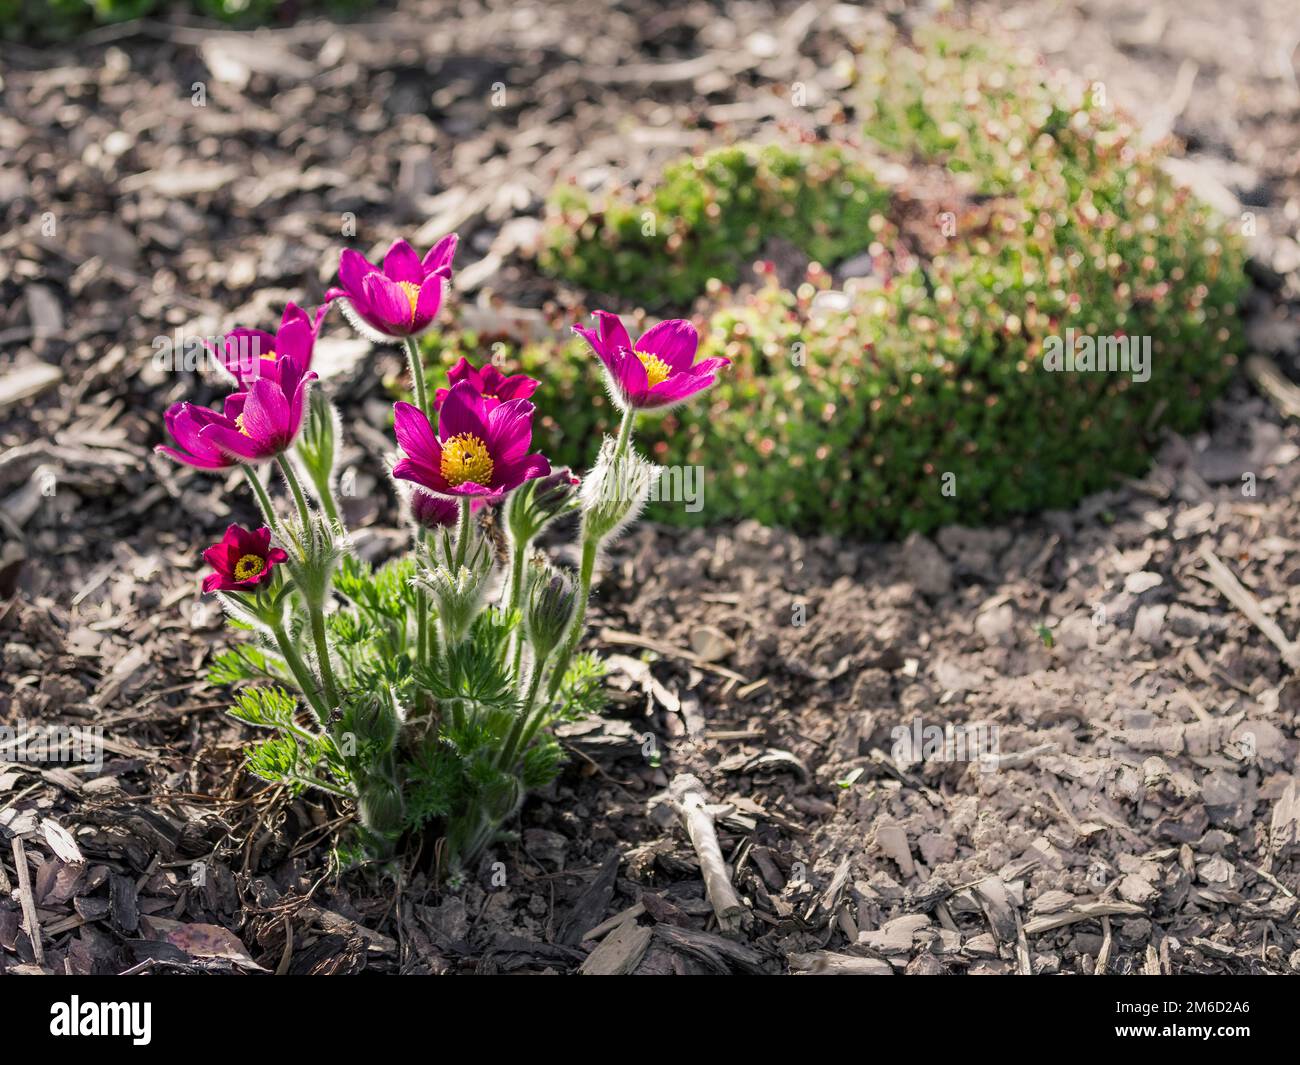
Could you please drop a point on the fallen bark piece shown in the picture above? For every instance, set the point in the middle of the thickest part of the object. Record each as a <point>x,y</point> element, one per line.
<point>1083,912</point>
<point>1235,592</point>
<point>620,952</point>
<point>27,382</point>
<point>721,955</point>
<point>688,798</point>
<point>826,963</point>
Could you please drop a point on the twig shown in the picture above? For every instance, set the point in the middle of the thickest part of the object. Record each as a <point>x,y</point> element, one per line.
<point>28,900</point>
<point>1270,380</point>
<point>1233,590</point>
<point>690,801</point>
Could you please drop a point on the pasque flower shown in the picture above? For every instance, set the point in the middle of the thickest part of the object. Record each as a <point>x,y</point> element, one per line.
<point>399,299</point>
<point>242,560</point>
<point>262,422</point>
<point>247,354</point>
<point>657,372</point>
<point>489,382</point>
<point>477,451</point>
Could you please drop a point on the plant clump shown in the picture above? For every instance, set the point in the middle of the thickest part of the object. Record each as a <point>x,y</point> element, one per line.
<point>421,691</point>
<point>1022,337</point>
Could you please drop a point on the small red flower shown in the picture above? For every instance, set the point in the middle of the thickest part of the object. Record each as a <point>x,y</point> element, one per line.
<point>242,560</point>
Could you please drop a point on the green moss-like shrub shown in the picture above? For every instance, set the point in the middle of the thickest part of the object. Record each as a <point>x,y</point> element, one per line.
<point>709,217</point>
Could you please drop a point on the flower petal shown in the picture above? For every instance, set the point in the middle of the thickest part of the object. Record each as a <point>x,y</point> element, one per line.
<point>463,412</point>
<point>509,431</point>
<point>385,305</point>
<point>353,269</point>
<point>441,255</point>
<point>674,341</point>
<point>415,435</point>
<point>402,264</point>
<point>613,335</point>
<point>428,302</point>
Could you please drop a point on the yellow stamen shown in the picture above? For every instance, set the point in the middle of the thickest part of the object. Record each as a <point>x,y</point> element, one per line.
<point>239,424</point>
<point>656,370</point>
<point>269,355</point>
<point>465,458</point>
<point>412,291</point>
<point>249,567</point>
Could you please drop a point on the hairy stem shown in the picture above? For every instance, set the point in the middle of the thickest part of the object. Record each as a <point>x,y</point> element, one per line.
<point>263,500</point>
<point>416,361</point>
<point>323,655</point>
<point>306,682</point>
<point>512,745</point>
<point>291,479</point>
<point>590,546</point>
<point>325,496</point>
<point>625,432</point>
<point>518,552</point>
<point>462,533</point>
<point>421,616</point>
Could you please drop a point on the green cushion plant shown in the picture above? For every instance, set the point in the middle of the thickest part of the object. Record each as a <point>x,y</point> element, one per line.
<point>919,396</point>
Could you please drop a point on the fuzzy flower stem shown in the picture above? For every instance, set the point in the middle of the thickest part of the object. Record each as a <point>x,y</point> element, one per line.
<point>300,671</point>
<point>518,551</point>
<point>263,500</point>
<point>421,617</point>
<point>462,533</point>
<point>291,479</point>
<point>416,361</point>
<point>590,546</point>
<point>323,654</point>
<point>625,432</point>
<point>325,494</point>
<point>512,744</point>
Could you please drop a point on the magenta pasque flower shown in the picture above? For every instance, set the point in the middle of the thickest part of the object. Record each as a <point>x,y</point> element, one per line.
<point>242,560</point>
<point>262,422</point>
<point>477,452</point>
<point>402,298</point>
<point>657,372</point>
<point>247,354</point>
<point>489,382</point>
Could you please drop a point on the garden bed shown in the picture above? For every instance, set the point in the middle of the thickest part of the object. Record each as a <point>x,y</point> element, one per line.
<point>1144,752</point>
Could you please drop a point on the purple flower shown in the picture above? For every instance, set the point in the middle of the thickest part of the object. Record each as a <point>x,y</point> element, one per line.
<point>262,422</point>
<point>659,371</point>
<point>402,298</point>
<point>477,452</point>
<point>242,560</point>
<point>489,382</point>
<point>247,354</point>
<point>186,422</point>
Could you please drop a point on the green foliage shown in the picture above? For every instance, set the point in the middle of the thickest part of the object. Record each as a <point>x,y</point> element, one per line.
<point>413,746</point>
<point>918,396</point>
<point>709,217</point>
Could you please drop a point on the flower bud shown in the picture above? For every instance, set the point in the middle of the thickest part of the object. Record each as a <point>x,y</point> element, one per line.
<point>536,503</point>
<point>319,548</point>
<point>380,807</point>
<point>616,491</point>
<point>552,603</point>
<point>459,588</point>
<point>430,511</point>
<point>375,720</point>
<point>316,441</point>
